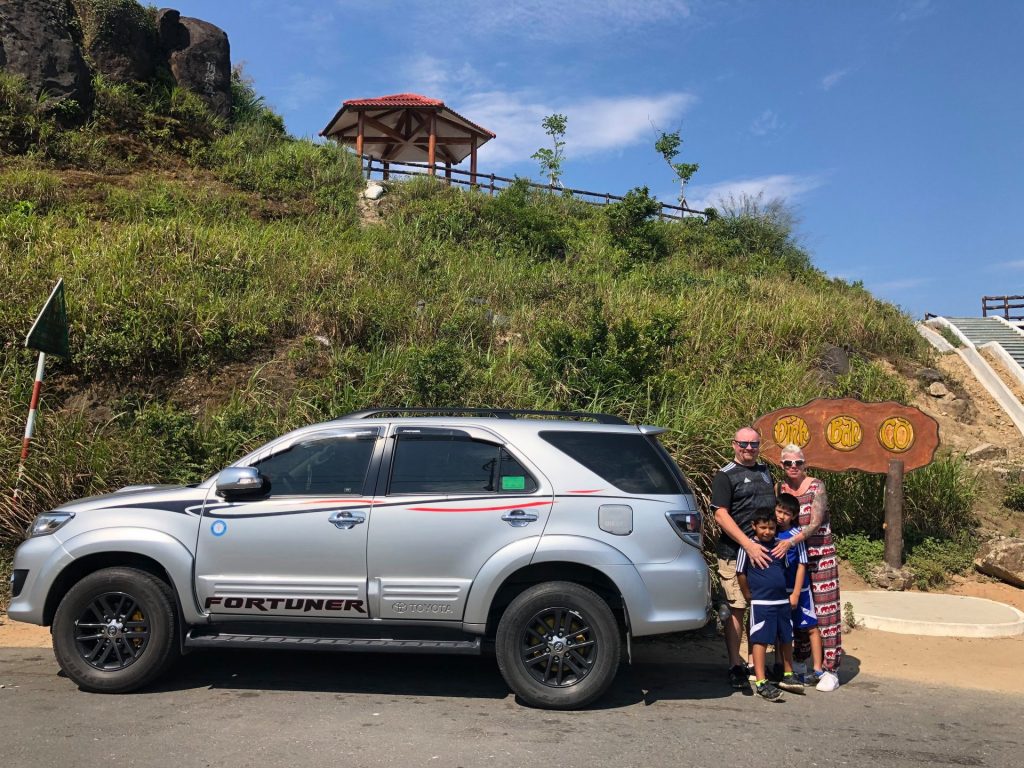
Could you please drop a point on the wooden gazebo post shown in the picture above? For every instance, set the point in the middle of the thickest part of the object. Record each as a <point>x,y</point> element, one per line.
<point>359,139</point>
<point>472,161</point>
<point>432,143</point>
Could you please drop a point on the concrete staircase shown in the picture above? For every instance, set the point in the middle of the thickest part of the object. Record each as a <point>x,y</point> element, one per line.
<point>982,330</point>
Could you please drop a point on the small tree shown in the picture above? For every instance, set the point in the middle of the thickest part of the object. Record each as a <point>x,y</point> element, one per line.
<point>551,159</point>
<point>667,146</point>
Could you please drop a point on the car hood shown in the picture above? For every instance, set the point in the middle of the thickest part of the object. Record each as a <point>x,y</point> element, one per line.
<point>178,497</point>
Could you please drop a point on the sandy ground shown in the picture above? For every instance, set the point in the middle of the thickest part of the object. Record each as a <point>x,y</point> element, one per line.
<point>988,664</point>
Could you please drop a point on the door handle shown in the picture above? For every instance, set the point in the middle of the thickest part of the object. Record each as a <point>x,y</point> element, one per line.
<point>345,519</point>
<point>517,518</point>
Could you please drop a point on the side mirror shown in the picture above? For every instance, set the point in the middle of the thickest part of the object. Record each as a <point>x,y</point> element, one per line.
<point>240,481</point>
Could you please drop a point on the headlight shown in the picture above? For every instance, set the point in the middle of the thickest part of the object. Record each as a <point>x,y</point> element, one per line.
<point>48,522</point>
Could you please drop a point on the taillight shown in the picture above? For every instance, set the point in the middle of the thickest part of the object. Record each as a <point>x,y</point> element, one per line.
<point>687,525</point>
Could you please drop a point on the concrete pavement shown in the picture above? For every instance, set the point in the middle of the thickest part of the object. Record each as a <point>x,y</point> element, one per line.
<point>924,613</point>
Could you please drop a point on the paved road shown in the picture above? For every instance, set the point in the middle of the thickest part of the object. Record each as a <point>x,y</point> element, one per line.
<point>671,708</point>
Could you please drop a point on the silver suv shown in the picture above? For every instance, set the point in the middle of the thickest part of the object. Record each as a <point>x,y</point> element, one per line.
<point>553,535</point>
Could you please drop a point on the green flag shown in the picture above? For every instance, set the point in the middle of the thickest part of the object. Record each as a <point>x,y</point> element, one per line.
<point>49,332</point>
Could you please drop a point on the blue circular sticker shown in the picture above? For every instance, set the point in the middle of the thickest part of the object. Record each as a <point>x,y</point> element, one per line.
<point>219,528</point>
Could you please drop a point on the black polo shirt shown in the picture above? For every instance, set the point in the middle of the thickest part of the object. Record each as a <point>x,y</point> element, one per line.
<point>741,490</point>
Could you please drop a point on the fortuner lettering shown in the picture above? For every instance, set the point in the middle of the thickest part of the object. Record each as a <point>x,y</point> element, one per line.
<point>290,604</point>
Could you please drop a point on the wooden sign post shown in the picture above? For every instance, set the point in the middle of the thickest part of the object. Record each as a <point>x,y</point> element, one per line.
<point>837,435</point>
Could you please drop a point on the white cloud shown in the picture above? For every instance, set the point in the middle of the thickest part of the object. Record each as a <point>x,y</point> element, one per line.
<point>912,10</point>
<point>593,125</point>
<point>440,79</point>
<point>1001,265</point>
<point>534,19</point>
<point>831,80</point>
<point>787,187</point>
<point>303,89</point>
<point>765,123</point>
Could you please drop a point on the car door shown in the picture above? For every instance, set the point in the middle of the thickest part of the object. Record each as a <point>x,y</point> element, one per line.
<point>299,550</point>
<point>452,498</point>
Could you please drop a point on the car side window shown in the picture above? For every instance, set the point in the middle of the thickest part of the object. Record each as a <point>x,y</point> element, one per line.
<point>449,464</point>
<point>325,466</point>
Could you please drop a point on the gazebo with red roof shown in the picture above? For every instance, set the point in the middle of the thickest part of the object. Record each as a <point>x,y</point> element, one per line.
<point>407,127</point>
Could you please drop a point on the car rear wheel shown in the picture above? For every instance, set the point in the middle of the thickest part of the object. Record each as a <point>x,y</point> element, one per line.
<point>558,645</point>
<point>116,630</point>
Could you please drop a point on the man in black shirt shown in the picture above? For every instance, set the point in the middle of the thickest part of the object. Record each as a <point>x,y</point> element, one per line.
<point>739,489</point>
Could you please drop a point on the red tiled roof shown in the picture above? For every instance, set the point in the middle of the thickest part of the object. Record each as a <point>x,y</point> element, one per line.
<point>396,100</point>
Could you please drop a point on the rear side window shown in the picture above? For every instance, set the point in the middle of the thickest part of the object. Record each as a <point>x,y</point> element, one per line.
<point>450,464</point>
<point>630,462</point>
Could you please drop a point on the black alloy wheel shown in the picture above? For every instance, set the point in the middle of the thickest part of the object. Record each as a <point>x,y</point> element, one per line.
<point>558,647</point>
<point>112,631</point>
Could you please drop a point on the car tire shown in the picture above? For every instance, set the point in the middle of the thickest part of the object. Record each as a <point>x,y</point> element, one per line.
<point>558,645</point>
<point>116,630</point>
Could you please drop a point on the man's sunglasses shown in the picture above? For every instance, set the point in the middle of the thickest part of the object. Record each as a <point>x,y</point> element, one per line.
<point>793,462</point>
<point>748,443</point>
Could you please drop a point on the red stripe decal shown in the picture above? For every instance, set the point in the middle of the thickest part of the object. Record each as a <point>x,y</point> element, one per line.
<point>593,490</point>
<point>479,509</point>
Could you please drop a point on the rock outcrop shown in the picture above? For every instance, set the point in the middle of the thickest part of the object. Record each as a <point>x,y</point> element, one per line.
<point>57,46</point>
<point>120,40</point>
<point>38,41</point>
<point>1003,558</point>
<point>199,57</point>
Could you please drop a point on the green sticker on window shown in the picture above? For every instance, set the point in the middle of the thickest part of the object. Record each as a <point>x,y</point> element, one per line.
<point>513,483</point>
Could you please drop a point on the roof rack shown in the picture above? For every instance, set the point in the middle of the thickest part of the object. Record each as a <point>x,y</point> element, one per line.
<point>497,413</point>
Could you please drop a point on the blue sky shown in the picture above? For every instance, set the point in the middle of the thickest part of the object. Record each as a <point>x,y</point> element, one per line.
<point>893,128</point>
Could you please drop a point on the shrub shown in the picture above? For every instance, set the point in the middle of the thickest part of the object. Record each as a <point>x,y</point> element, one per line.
<point>933,560</point>
<point>632,230</point>
<point>861,552</point>
<point>1013,498</point>
<point>590,358</point>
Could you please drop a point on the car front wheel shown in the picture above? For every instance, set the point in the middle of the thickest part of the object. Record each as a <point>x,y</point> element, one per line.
<point>116,630</point>
<point>558,645</point>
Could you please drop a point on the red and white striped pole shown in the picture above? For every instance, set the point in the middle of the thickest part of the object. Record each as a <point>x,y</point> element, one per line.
<point>31,423</point>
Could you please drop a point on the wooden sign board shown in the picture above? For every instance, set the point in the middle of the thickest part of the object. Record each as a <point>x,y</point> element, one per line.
<point>837,435</point>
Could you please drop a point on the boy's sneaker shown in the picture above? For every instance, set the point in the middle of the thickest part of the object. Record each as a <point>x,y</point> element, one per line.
<point>812,678</point>
<point>791,683</point>
<point>767,691</point>
<point>738,677</point>
<point>829,682</point>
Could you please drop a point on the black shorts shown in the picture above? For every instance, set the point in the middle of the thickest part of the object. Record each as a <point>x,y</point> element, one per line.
<point>770,619</point>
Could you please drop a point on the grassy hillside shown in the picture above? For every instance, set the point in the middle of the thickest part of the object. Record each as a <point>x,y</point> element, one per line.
<point>222,289</point>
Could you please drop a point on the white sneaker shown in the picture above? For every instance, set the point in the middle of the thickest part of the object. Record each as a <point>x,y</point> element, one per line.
<point>829,682</point>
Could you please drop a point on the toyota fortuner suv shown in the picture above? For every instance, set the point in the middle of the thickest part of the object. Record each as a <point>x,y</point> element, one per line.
<point>552,536</point>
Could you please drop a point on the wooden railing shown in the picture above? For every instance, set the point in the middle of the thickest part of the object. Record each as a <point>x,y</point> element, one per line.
<point>491,183</point>
<point>1010,307</point>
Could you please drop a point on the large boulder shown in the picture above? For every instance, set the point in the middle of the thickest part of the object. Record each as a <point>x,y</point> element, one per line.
<point>119,38</point>
<point>1003,558</point>
<point>38,41</point>
<point>199,56</point>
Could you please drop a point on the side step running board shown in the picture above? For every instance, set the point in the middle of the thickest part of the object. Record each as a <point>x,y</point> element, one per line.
<point>280,642</point>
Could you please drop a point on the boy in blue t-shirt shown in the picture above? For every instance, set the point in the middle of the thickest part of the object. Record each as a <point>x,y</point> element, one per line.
<point>787,511</point>
<point>771,605</point>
